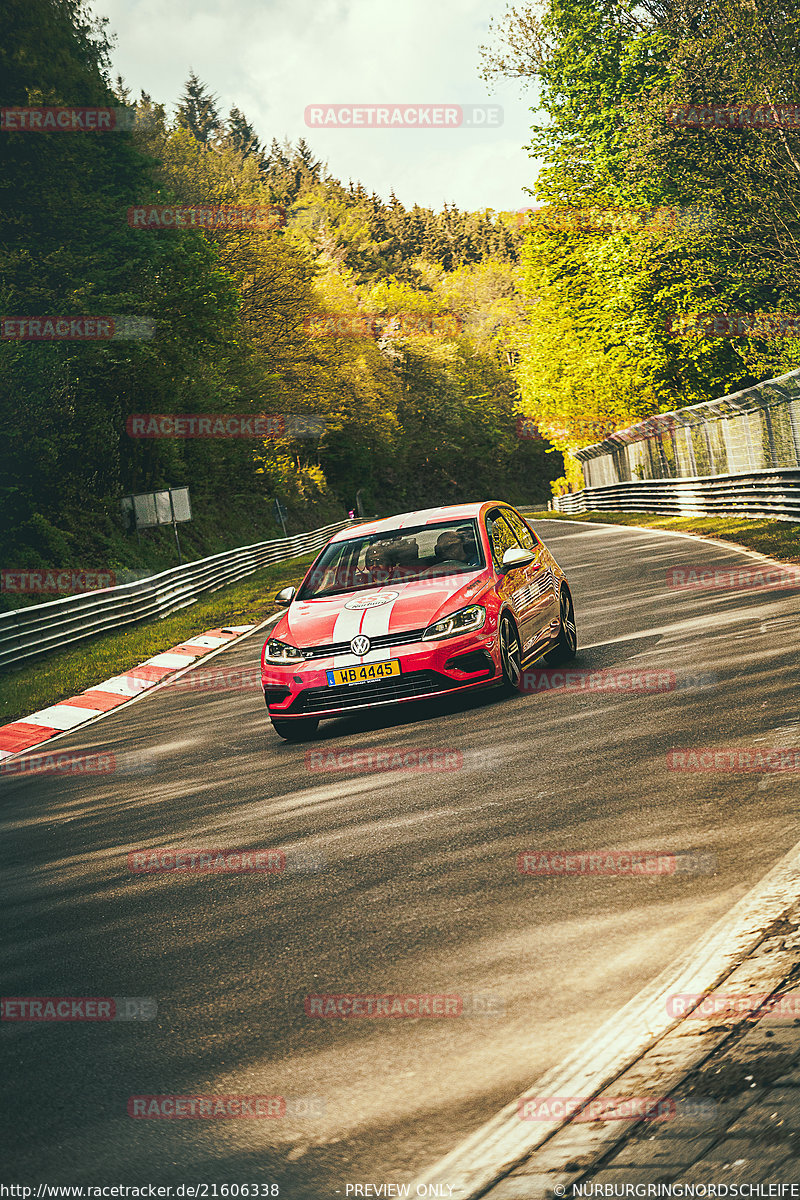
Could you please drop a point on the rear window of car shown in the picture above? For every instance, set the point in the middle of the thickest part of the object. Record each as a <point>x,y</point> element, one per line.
<point>395,556</point>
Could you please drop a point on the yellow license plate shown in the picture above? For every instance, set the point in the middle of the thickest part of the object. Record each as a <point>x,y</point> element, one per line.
<point>365,673</point>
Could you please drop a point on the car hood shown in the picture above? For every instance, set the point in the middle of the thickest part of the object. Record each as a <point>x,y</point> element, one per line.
<point>379,610</point>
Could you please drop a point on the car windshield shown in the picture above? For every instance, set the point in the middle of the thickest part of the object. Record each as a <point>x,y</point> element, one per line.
<point>395,556</point>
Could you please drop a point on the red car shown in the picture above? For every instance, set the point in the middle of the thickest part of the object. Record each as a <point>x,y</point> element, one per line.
<point>413,607</point>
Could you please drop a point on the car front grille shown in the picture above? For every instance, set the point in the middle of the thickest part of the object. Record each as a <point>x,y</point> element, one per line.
<point>376,643</point>
<point>396,687</point>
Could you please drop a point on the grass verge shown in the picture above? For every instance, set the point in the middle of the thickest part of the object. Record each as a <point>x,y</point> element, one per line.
<point>778,539</point>
<point>62,673</point>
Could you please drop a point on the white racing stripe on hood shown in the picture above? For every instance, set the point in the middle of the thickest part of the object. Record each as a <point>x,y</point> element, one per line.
<point>346,626</point>
<point>371,621</point>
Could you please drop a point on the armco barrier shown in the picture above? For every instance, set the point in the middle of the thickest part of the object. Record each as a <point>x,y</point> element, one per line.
<point>772,494</point>
<point>746,433</point>
<point>26,632</point>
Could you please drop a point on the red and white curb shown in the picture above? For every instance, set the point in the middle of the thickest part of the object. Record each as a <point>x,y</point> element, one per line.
<point>47,723</point>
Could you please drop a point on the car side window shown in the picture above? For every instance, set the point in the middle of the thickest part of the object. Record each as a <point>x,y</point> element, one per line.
<point>501,536</point>
<point>525,536</point>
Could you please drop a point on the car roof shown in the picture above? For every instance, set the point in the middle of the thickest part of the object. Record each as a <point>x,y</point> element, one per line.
<point>425,516</point>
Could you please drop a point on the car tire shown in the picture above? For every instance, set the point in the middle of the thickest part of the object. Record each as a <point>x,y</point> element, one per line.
<point>295,731</point>
<point>566,646</point>
<point>510,646</point>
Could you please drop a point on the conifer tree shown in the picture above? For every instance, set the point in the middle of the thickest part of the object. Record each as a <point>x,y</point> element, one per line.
<point>197,111</point>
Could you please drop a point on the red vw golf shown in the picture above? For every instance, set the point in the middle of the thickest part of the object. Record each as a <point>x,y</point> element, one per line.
<point>412,607</point>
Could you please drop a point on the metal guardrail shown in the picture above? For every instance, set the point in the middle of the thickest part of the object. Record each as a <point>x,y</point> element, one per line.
<point>771,494</point>
<point>754,430</point>
<point>27,632</point>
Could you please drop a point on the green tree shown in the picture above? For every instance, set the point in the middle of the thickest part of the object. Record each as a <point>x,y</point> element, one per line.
<point>197,111</point>
<point>240,134</point>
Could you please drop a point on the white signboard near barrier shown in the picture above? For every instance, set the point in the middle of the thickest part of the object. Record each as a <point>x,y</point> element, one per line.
<point>158,508</point>
<point>181,508</point>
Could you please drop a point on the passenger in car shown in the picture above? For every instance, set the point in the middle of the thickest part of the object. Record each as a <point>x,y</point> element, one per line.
<point>378,563</point>
<point>451,547</point>
<point>404,553</point>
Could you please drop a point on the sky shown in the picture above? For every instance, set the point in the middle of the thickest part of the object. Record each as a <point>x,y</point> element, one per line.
<point>273,58</point>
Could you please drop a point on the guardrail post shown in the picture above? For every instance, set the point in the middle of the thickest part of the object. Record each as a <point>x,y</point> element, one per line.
<point>795,431</point>
<point>773,454</point>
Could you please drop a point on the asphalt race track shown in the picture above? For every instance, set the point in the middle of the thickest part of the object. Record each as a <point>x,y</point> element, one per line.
<point>417,890</point>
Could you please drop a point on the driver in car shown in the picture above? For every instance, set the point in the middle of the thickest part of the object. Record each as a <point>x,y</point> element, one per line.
<point>473,558</point>
<point>378,563</point>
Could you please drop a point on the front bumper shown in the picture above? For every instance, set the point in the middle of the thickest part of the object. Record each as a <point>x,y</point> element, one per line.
<point>428,669</point>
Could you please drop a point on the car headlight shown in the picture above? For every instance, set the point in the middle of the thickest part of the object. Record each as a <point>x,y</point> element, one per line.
<point>280,652</point>
<point>466,620</point>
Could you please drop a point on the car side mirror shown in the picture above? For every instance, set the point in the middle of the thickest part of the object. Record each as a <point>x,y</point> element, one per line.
<point>517,556</point>
<point>286,597</point>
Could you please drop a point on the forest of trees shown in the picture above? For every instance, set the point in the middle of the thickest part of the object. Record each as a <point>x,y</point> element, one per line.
<point>606,74</point>
<point>410,420</point>
<point>564,317</point>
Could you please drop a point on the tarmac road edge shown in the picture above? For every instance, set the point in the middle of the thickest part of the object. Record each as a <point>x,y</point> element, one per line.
<point>505,1141</point>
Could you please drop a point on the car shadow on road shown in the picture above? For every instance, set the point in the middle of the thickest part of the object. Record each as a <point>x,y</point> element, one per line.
<point>411,713</point>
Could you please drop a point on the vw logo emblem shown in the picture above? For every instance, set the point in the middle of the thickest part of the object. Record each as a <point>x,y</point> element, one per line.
<point>360,644</point>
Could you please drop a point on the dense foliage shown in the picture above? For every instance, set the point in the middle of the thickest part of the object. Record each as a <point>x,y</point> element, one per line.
<point>607,75</point>
<point>410,420</point>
